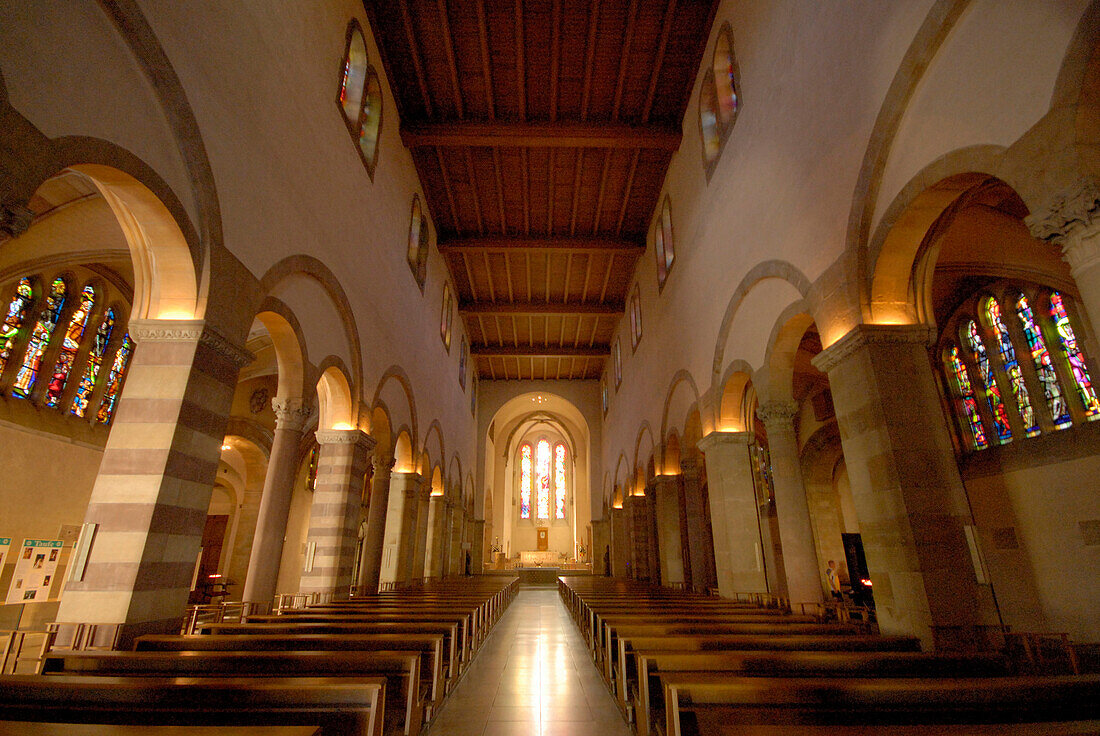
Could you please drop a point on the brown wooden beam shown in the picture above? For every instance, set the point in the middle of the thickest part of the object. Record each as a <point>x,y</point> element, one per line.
<point>541,135</point>
<point>513,244</point>
<point>539,308</point>
<point>540,351</point>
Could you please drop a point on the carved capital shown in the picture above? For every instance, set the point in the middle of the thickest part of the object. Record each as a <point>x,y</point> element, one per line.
<point>689,468</point>
<point>863,335</point>
<point>1067,212</point>
<point>229,350</point>
<point>717,439</point>
<point>189,330</point>
<point>291,414</point>
<point>15,218</point>
<point>775,413</point>
<point>345,437</point>
<point>383,465</point>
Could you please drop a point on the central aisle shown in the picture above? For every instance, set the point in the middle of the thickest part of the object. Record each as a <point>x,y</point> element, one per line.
<point>533,676</point>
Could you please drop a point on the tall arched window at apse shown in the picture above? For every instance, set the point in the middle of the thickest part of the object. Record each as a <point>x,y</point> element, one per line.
<point>417,253</point>
<point>1044,368</point>
<point>542,479</point>
<point>963,393</point>
<point>70,344</point>
<point>95,360</point>
<point>991,314</point>
<point>40,338</point>
<point>986,380</point>
<point>1073,356</point>
<point>114,380</point>
<point>14,319</point>
<point>526,481</point>
<point>559,481</point>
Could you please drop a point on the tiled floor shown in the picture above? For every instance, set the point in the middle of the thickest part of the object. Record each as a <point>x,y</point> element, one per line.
<point>533,676</point>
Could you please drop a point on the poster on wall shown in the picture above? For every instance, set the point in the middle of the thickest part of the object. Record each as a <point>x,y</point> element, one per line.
<point>5,545</point>
<point>35,568</point>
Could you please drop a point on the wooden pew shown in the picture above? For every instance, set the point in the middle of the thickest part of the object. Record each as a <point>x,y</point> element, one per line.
<point>719,704</point>
<point>405,705</point>
<point>430,647</point>
<point>647,697</point>
<point>339,707</point>
<point>464,621</point>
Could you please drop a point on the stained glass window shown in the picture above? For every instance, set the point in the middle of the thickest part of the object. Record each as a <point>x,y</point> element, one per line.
<point>114,380</point>
<point>559,481</point>
<point>988,384</point>
<point>964,397</point>
<point>13,320</point>
<point>1044,369</point>
<point>525,482</point>
<point>370,120</point>
<point>70,343</point>
<point>663,241</point>
<point>40,339</point>
<point>542,476</point>
<point>1011,366</point>
<point>635,318</point>
<point>354,75</point>
<point>708,118</point>
<point>445,317</point>
<point>1074,356</point>
<point>617,357</point>
<point>725,74</point>
<point>462,353</point>
<point>95,360</point>
<point>417,254</point>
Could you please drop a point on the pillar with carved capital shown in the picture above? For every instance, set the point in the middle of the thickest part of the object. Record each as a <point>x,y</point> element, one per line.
<point>419,550</point>
<point>908,494</point>
<point>342,464</point>
<point>282,466</point>
<point>621,544</point>
<point>376,524</point>
<point>737,547</point>
<point>400,535</point>
<point>1071,220</point>
<point>456,557</point>
<point>796,533</point>
<point>153,489</point>
<point>667,514</point>
<point>700,544</point>
<point>437,517</point>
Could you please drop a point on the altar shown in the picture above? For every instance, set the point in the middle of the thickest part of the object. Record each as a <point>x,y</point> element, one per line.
<point>538,558</point>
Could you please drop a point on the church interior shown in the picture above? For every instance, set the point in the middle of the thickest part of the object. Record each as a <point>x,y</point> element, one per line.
<point>550,366</point>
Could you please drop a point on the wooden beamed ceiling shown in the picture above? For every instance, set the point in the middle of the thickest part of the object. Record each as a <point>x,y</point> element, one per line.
<point>541,131</point>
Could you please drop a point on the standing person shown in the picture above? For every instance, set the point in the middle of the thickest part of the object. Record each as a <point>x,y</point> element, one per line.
<point>834,580</point>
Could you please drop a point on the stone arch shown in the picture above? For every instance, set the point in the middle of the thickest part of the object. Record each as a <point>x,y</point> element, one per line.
<point>438,486</point>
<point>396,375</point>
<point>334,398</point>
<point>782,346</point>
<point>290,350</point>
<point>251,430</point>
<point>672,454</point>
<point>669,421</point>
<point>434,429</point>
<point>403,452</point>
<point>1078,84</point>
<point>774,269</point>
<point>643,454</point>
<point>732,416</point>
<point>312,268</point>
<point>454,473</point>
<point>624,473</point>
<point>381,431</point>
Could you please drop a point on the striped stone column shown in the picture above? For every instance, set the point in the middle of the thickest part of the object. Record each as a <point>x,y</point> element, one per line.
<point>343,463</point>
<point>270,530</point>
<point>151,496</point>
<point>400,535</point>
<point>906,487</point>
<point>738,559</point>
<point>376,525</point>
<point>420,531</point>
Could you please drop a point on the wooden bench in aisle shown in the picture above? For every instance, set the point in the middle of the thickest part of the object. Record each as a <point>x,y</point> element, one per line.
<point>337,706</point>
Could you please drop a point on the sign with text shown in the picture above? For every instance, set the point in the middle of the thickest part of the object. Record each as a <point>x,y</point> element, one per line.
<point>35,567</point>
<point>5,545</point>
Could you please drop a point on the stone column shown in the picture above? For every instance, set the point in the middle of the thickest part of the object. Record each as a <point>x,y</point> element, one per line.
<point>376,525</point>
<point>635,507</point>
<point>700,546</point>
<point>737,547</point>
<point>400,527</point>
<point>477,546</point>
<point>153,489</point>
<point>456,560</point>
<point>342,464</point>
<point>437,513</point>
<point>1071,220</point>
<point>796,533</point>
<point>601,542</point>
<point>910,500</point>
<point>419,550</point>
<point>282,467</point>
<point>666,490</point>
<point>621,544</point>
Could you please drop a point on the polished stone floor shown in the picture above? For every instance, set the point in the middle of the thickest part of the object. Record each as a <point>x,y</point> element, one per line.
<point>533,676</point>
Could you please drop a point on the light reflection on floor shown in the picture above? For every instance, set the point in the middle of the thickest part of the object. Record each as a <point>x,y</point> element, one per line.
<point>533,676</point>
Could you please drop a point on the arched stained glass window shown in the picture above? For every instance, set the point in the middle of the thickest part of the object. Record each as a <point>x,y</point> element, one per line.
<point>525,478</point>
<point>13,320</point>
<point>370,120</point>
<point>662,239</point>
<point>1074,356</point>
<point>988,384</point>
<point>417,253</point>
<point>559,481</point>
<point>1044,369</point>
<point>617,360</point>
<point>95,360</point>
<point>114,380</point>
<point>725,75</point>
<point>635,319</point>
<point>1011,366</point>
<point>40,339</point>
<point>354,75</point>
<point>446,316</point>
<point>542,467</point>
<point>70,344</point>
<point>708,118</point>
<point>964,398</point>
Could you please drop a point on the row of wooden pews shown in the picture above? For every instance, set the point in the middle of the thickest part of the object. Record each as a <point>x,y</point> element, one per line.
<point>374,665</point>
<point>681,663</point>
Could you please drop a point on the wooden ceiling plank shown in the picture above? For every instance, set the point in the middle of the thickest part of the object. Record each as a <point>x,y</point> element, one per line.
<point>552,135</point>
<point>508,271</point>
<point>514,244</point>
<point>603,190</point>
<point>489,276</point>
<point>587,278</point>
<point>555,57</point>
<point>500,191</point>
<point>547,278</point>
<point>447,188</point>
<point>576,192</point>
<point>473,190</point>
<point>521,63</point>
<point>481,327</point>
<point>577,334</point>
<point>418,66</point>
<point>500,332</point>
<point>527,262</point>
<point>628,40</point>
<point>550,194</point>
<point>492,371</point>
<point>568,272</point>
<point>626,193</point>
<point>526,191</point>
<point>592,337</point>
<point>469,276</point>
<point>448,48</point>
<point>538,351</point>
<point>486,69</point>
<point>666,29</point>
<point>607,277</point>
<point>589,56</point>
